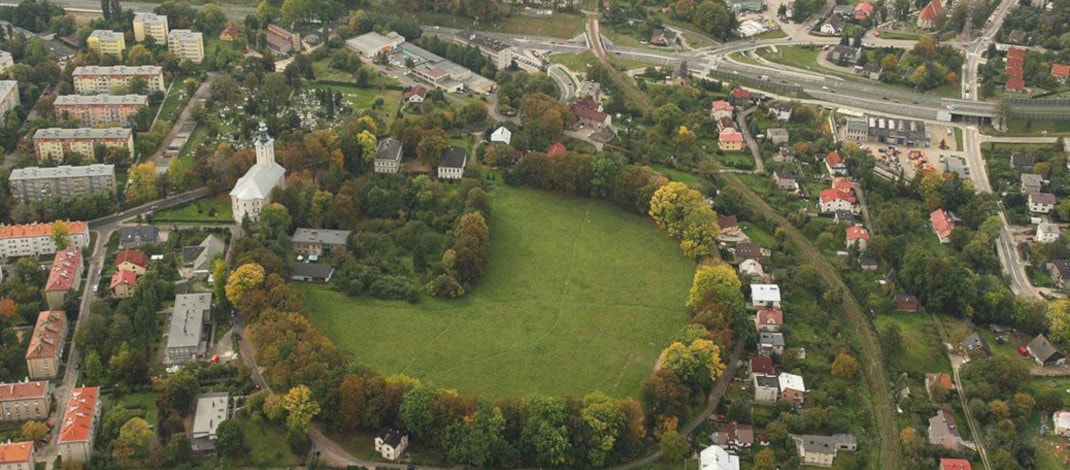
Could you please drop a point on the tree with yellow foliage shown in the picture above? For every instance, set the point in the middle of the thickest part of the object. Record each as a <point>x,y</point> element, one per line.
<point>60,233</point>
<point>300,408</point>
<point>141,185</point>
<point>715,277</point>
<point>685,214</point>
<point>243,279</point>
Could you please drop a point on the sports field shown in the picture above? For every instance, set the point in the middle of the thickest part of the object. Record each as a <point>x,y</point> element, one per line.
<point>578,296</point>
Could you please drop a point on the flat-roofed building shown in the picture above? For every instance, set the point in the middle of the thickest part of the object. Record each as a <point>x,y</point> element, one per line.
<point>78,429</point>
<point>36,239</point>
<point>100,110</point>
<point>64,278</point>
<point>95,80</point>
<point>150,25</point>
<point>212,409</point>
<point>371,44</point>
<point>498,51</point>
<point>185,337</point>
<point>103,42</point>
<point>55,143</point>
<point>46,345</point>
<point>17,455</point>
<point>186,45</point>
<point>35,184</point>
<point>21,401</point>
<point>9,97</point>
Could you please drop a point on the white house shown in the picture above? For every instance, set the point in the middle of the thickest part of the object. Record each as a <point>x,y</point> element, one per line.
<point>1041,203</point>
<point>502,134</point>
<point>766,389</point>
<point>1047,233</point>
<point>388,156</point>
<point>453,162</point>
<point>767,295</point>
<point>835,165</point>
<point>250,194</point>
<point>716,458</point>
<point>391,444</point>
<point>832,201</point>
<point>1061,420</point>
<point>751,267</point>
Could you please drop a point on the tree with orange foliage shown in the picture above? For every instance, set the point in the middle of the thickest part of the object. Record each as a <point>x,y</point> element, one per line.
<point>8,308</point>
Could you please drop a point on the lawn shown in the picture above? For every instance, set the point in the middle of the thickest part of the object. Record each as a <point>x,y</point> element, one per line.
<point>175,101</point>
<point>199,211</point>
<point>1019,126</point>
<point>266,444</point>
<point>364,98</point>
<point>898,35</point>
<point>921,341</point>
<point>142,402</point>
<point>958,138</point>
<point>577,296</point>
<point>575,62</point>
<point>560,25</point>
<point>771,34</point>
<point>689,179</point>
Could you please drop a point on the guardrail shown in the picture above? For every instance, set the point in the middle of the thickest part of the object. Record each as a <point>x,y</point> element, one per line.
<point>780,88</point>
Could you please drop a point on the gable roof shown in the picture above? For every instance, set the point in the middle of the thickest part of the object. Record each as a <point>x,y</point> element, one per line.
<point>211,246</point>
<point>722,105</point>
<point>942,223</point>
<point>230,31</point>
<point>730,135</point>
<point>955,464</point>
<point>137,233</point>
<point>761,293</point>
<point>770,316</point>
<point>932,11</point>
<point>416,90</point>
<point>734,432</point>
<point>66,269</point>
<point>123,276</point>
<point>834,159</point>
<point>857,232</point>
<point>24,390</point>
<point>829,195</point>
<point>1060,70</point>
<point>751,267</point>
<point>741,94</point>
<point>1042,198</point>
<point>38,230</point>
<point>16,452</point>
<point>453,157</point>
<point>258,182</point>
<point>136,258</point>
<point>843,185</point>
<point>79,415</point>
<point>716,458</point>
<point>728,221</point>
<point>748,250</point>
<point>772,339</point>
<point>835,22</point>
<point>501,134</point>
<point>47,339</point>
<point>1042,349</point>
<point>389,150</point>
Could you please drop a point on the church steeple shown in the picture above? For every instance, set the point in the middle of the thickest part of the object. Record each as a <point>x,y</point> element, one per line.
<point>265,147</point>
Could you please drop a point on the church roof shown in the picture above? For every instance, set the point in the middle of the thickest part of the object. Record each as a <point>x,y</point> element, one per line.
<point>258,181</point>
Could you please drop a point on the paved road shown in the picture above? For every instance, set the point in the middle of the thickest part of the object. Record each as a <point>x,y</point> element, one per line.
<point>564,81</point>
<point>741,121</point>
<point>185,116</point>
<point>233,12</point>
<point>175,200</point>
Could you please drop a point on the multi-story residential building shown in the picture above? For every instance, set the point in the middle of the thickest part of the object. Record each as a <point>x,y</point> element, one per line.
<point>17,455</point>
<point>100,110</point>
<point>54,143</point>
<point>388,156</point>
<point>185,339</point>
<point>25,400</point>
<point>34,184</point>
<point>6,61</point>
<point>318,242</point>
<point>36,239</point>
<point>78,429</point>
<point>94,80</point>
<point>150,25</point>
<point>64,278</point>
<point>107,42</point>
<point>46,345</point>
<point>186,45</point>
<point>9,97</point>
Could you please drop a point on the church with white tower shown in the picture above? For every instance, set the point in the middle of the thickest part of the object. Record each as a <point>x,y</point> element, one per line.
<point>251,192</point>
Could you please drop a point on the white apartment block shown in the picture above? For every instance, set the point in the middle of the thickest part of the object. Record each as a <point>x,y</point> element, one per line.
<point>35,184</point>
<point>186,45</point>
<point>54,143</point>
<point>150,25</point>
<point>36,239</point>
<point>94,80</point>
<point>9,97</point>
<point>100,110</point>
<point>107,42</point>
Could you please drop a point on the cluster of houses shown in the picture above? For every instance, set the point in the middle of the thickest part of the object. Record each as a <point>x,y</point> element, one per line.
<point>729,139</point>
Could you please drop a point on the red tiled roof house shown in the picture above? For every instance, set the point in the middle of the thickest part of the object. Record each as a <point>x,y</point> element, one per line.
<point>942,224</point>
<point>46,345</point>
<point>78,429</point>
<point>64,278</point>
<point>130,260</point>
<point>122,284</point>
<point>835,164</point>
<point>857,236</point>
<point>769,319</point>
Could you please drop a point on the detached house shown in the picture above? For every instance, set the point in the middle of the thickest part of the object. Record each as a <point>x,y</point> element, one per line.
<point>663,37</point>
<point>781,110</point>
<point>777,135</point>
<point>906,303</point>
<point>721,109</point>
<point>1061,72</point>
<point>747,251</point>
<point>943,432</point>
<point>835,164</point>
<point>133,261</point>
<point>955,464</point>
<point>942,224</point>
<point>730,140</point>
<point>766,389</point>
<point>1044,353</point>
<point>415,95</point>
<point>716,457</point>
<point>943,381</point>
<point>1047,233</point>
<point>770,343</point>
<point>123,283</point>
<point>761,365</point>
<point>391,443</point>
<point>842,53</point>
<point>734,436</point>
<point>767,295</point>
<point>1041,203</point>
<point>857,236</point>
<point>820,451</point>
<point>833,26</point>
<point>785,181</point>
<point>752,269</point>
<point>1060,272</point>
<point>1031,183</point>
<point>832,200</point>
<point>452,164</point>
<point>769,319</point>
<point>792,388</point>
<point>319,242</point>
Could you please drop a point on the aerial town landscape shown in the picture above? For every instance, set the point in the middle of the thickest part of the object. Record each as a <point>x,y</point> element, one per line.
<point>629,234</point>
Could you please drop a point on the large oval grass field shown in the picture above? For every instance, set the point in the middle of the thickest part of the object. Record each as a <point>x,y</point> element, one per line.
<point>578,296</point>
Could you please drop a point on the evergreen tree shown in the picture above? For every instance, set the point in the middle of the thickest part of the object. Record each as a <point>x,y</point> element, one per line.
<point>105,9</point>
